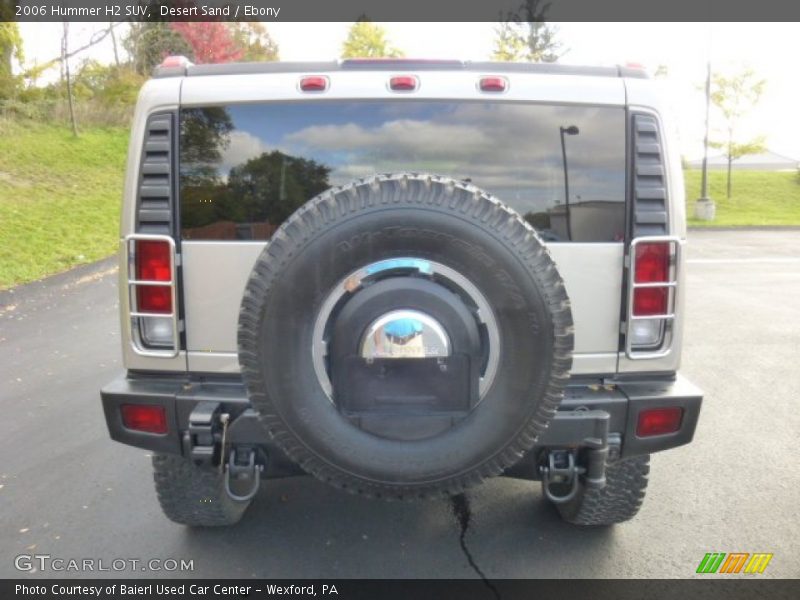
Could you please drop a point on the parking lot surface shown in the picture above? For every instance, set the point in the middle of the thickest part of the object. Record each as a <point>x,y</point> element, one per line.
<point>66,490</point>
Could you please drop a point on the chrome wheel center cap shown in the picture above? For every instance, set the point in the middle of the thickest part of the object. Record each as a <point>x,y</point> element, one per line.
<point>405,334</point>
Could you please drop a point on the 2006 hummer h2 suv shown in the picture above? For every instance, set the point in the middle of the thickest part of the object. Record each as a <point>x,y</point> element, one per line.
<point>401,277</point>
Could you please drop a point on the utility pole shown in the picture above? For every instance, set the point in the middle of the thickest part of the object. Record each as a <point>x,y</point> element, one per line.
<point>704,180</point>
<point>704,207</point>
<point>571,130</point>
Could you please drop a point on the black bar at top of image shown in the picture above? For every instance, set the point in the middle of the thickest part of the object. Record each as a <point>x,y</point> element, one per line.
<point>714,588</point>
<point>392,10</point>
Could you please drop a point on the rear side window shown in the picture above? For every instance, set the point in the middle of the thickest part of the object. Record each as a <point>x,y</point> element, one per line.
<point>245,168</point>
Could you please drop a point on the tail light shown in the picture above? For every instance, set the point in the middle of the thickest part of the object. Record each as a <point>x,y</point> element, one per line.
<point>154,326</point>
<point>652,293</point>
<point>154,264</point>
<point>651,266</point>
<point>144,417</point>
<point>659,421</point>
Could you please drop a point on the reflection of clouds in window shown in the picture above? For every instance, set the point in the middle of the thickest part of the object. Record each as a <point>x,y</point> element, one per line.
<point>506,148</point>
<point>512,150</point>
<point>395,140</point>
<point>242,146</point>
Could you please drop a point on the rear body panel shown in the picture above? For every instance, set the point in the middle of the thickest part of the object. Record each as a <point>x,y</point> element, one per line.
<point>213,273</point>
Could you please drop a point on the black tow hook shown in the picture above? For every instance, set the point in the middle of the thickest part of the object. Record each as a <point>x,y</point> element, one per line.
<point>562,464</point>
<point>242,467</point>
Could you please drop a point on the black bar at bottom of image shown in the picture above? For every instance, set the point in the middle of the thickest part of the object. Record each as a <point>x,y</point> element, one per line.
<point>727,588</point>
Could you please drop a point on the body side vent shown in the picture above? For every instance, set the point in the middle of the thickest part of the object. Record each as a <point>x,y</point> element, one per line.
<point>649,178</point>
<point>156,186</point>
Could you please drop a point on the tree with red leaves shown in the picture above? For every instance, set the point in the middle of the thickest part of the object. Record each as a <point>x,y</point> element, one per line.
<point>211,41</point>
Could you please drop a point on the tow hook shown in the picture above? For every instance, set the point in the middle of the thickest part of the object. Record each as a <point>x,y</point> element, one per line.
<point>562,464</point>
<point>560,469</point>
<point>242,468</point>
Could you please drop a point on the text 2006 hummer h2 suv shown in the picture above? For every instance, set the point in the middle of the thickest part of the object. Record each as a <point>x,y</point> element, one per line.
<point>401,277</point>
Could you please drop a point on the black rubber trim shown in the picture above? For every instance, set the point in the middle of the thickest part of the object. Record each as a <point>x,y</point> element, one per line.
<point>159,392</point>
<point>155,191</point>
<point>660,394</point>
<point>621,400</point>
<point>649,201</point>
<point>179,397</point>
<point>397,65</point>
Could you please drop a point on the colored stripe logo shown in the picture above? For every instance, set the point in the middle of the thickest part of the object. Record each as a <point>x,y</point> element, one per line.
<point>734,562</point>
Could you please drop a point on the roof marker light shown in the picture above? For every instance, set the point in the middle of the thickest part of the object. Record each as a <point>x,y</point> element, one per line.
<point>314,83</point>
<point>493,84</point>
<point>403,83</point>
<point>175,61</point>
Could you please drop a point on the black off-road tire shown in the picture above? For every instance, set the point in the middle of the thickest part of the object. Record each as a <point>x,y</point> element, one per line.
<point>427,217</point>
<point>192,495</point>
<point>618,501</point>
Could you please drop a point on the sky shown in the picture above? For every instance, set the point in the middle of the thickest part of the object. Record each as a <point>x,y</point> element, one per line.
<point>770,49</point>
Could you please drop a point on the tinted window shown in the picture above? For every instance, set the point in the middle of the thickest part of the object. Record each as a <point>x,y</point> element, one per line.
<point>246,168</point>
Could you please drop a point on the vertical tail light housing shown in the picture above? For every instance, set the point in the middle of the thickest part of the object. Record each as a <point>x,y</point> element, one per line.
<point>652,294</point>
<point>152,294</point>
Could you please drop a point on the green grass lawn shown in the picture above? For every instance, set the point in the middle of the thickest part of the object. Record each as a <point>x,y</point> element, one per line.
<point>59,198</point>
<point>759,198</point>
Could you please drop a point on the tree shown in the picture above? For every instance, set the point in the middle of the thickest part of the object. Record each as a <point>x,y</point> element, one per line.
<point>65,63</point>
<point>735,96</point>
<point>148,42</point>
<point>368,40</point>
<point>525,35</point>
<point>10,49</point>
<point>210,41</point>
<point>254,41</point>
<point>272,185</point>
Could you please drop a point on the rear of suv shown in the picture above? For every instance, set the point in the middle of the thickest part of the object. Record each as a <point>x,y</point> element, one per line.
<point>401,277</point>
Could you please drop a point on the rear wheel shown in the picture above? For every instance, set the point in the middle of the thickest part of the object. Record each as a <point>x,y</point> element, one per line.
<point>405,336</point>
<point>194,495</point>
<point>618,501</point>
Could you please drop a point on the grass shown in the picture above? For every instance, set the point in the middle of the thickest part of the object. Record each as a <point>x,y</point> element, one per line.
<point>758,198</point>
<point>59,197</point>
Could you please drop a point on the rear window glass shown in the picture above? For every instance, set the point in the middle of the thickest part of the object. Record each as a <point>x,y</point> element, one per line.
<point>245,168</point>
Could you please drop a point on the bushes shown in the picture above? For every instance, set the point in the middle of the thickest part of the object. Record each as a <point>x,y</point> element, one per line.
<point>104,95</point>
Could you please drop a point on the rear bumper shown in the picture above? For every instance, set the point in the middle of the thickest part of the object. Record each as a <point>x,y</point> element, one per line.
<point>587,408</point>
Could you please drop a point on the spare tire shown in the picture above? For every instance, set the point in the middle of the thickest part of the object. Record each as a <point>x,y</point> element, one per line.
<point>454,262</point>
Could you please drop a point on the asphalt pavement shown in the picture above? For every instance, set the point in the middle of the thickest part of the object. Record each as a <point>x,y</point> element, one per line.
<point>67,491</point>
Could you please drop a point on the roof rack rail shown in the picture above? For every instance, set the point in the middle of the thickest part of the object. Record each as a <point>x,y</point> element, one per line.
<point>395,64</point>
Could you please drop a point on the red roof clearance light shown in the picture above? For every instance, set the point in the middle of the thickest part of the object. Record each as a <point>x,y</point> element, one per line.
<point>144,417</point>
<point>493,84</point>
<point>314,83</point>
<point>659,421</point>
<point>651,266</point>
<point>175,61</point>
<point>403,83</point>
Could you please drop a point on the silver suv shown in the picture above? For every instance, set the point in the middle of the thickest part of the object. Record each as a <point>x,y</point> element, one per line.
<point>401,277</point>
